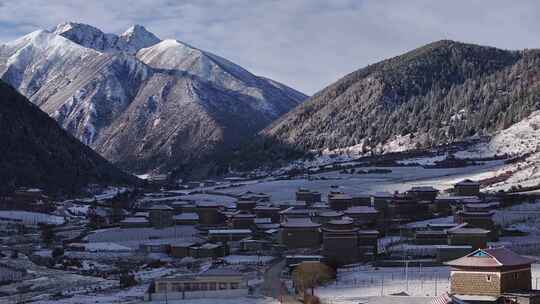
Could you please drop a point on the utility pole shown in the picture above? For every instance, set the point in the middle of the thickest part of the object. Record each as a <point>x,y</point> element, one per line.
<point>407,274</point>
<point>382,285</point>
<point>436,278</point>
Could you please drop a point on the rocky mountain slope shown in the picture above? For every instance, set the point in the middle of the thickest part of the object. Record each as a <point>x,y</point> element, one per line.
<point>132,40</point>
<point>36,152</point>
<point>144,104</point>
<point>440,93</point>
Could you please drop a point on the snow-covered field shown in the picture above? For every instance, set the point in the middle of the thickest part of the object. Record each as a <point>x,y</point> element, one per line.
<point>44,282</point>
<point>31,218</point>
<point>400,179</point>
<point>248,259</point>
<point>416,281</point>
<point>133,237</point>
<point>242,300</point>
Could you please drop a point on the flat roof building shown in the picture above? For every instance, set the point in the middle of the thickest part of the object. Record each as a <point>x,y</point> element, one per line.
<point>243,221</point>
<point>339,201</point>
<point>210,213</point>
<point>424,193</point>
<point>467,187</point>
<point>308,196</point>
<point>341,246</point>
<point>363,216</point>
<point>246,205</point>
<point>300,233</point>
<point>477,238</point>
<point>218,283</point>
<point>188,218</point>
<point>270,212</point>
<point>228,235</point>
<point>161,216</point>
<point>134,222</point>
<point>326,216</point>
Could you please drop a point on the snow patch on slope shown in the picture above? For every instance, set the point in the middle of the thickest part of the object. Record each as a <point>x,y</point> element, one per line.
<point>520,138</point>
<point>132,40</point>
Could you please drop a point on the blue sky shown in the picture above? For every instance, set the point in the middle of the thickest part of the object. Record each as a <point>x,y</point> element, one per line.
<point>306,44</point>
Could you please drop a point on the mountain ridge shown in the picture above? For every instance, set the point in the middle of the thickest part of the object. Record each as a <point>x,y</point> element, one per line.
<point>416,95</point>
<point>136,107</point>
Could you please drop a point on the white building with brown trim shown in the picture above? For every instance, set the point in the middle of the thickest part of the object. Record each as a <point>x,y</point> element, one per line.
<point>216,283</point>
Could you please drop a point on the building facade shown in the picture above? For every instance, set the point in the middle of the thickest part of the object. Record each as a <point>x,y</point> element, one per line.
<point>490,272</point>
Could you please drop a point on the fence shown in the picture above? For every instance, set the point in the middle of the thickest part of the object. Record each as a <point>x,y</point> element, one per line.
<point>415,281</point>
<point>218,294</point>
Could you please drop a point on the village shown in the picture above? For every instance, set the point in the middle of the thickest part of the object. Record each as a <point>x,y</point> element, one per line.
<point>316,243</point>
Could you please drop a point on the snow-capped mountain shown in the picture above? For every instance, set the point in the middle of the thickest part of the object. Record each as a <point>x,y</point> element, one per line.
<point>174,55</point>
<point>132,40</point>
<point>142,103</point>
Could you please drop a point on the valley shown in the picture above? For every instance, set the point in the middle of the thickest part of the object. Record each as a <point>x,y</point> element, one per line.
<point>137,168</point>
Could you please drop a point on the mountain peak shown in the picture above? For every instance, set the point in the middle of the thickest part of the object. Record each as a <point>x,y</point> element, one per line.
<point>132,40</point>
<point>136,29</point>
<point>138,37</point>
<point>71,26</point>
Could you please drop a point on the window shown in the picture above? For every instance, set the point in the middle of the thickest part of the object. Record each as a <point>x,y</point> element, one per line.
<point>212,286</point>
<point>488,278</point>
<point>480,254</point>
<point>177,287</point>
<point>516,276</point>
<point>161,287</point>
<point>222,286</point>
<point>235,285</point>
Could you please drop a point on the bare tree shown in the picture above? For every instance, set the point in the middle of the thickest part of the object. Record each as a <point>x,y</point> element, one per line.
<point>309,275</point>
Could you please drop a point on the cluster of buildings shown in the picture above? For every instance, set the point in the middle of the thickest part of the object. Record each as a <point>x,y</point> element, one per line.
<point>340,229</point>
<point>472,227</point>
<point>343,228</point>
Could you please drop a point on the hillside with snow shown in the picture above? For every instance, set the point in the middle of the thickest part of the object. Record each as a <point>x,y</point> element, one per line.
<point>143,103</point>
<point>442,93</point>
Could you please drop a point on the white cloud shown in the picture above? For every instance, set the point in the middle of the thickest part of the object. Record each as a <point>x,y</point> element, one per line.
<point>306,44</point>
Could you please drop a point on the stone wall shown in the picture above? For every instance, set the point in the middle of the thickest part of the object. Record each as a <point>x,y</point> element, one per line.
<point>473,283</point>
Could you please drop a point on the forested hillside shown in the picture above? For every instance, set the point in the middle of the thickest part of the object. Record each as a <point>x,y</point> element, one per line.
<point>37,152</point>
<point>443,92</point>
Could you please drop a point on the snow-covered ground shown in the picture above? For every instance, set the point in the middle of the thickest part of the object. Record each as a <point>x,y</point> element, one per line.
<point>423,161</point>
<point>400,179</point>
<point>520,138</point>
<point>133,237</point>
<point>105,246</point>
<point>43,282</point>
<point>248,259</point>
<point>31,218</point>
<point>415,281</point>
<point>242,300</point>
